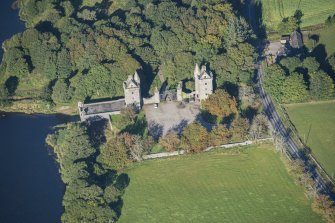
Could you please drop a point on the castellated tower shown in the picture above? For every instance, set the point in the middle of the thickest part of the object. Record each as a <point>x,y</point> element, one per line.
<point>203,82</point>
<point>132,91</point>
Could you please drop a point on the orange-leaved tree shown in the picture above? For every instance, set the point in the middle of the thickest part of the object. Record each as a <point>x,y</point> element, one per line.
<point>220,104</point>
<point>194,138</point>
<point>170,142</point>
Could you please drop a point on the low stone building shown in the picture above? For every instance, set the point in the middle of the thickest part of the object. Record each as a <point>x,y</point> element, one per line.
<point>288,44</point>
<point>132,93</point>
<point>100,110</point>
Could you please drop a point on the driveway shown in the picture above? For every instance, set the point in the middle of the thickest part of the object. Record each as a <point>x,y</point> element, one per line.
<point>170,116</point>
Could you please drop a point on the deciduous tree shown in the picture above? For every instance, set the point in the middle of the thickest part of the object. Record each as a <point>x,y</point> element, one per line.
<point>194,138</point>
<point>294,89</point>
<point>220,104</point>
<point>114,154</point>
<point>61,93</point>
<point>321,86</point>
<point>4,101</point>
<point>219,135</point>
<point>239,129</point>
<point>170,142</point>
<point>259,127</point>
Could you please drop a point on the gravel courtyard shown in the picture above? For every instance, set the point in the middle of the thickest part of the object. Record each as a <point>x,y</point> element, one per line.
<point>170,116</point>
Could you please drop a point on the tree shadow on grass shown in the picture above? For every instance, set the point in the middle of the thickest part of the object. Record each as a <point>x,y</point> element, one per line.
<point>96,132</point>
<point>231,88</point>
<point>155,130</point>
<point>11,84</point>
<point>138,128</point>
<point>121,183</point>
<point>200,119</point>
<point>256,12</point>
<point>250,113</point>
<point>208,117</point>
<point>319,52</point>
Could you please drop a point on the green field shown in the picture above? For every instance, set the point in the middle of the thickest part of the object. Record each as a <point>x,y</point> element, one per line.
<point>315,11</point>
<point>319,119</point>
<point>215,187</point>
<point>326,38</point>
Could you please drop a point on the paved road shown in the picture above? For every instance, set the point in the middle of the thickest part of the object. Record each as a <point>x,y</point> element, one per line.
<point>274,117</point>
<point>280,129</point>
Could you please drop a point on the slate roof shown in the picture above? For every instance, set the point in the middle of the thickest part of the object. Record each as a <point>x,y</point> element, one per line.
<point>205,75</point>
<point>103,107</point>
<point>296,40</point>
<point>132,82</point>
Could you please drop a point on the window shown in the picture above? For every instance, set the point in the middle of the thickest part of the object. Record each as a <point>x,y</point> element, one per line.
<point>205,83</point>
<point>132,92</point>
<point>205,89</point>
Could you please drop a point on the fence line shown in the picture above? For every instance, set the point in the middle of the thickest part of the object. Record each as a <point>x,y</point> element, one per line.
<point>303,145</point>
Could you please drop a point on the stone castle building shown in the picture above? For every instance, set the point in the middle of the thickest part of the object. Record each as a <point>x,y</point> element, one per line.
<point>203,82</point>
<point>132,91</point>
<point>132,95</point>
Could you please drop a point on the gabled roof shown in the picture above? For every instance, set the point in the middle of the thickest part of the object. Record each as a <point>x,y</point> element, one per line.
<point>205,74</point>
<point>296,40</point>
<point>133,81</point>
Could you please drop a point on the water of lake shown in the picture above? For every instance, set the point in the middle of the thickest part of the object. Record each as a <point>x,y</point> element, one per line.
<point>9,22</point>
<point>31,190</point>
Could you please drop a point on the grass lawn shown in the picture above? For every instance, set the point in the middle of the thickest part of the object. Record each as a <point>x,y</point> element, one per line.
<point>253,186</point>
<point>315,11</point>
<point>319,118</point>
<point>326,38</point>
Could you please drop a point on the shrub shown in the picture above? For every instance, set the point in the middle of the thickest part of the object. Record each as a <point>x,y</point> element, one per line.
<point>194,138</point>
<point>170,142</point>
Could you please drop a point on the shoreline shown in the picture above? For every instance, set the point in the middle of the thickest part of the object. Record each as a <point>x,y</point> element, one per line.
<point>4,114</point>
<point>15,5</point>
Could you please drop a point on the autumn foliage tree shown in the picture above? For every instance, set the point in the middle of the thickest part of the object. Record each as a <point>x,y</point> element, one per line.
<point>114,154</point>
<point>219,135</point>
<point>325,206</point>
<point>170,142</point>
<point>259,127</point>
<point>220,104</point>
<point>240,129</point>
<point>194,138</point>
